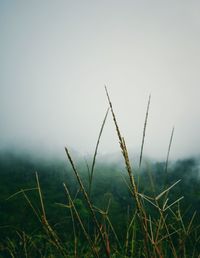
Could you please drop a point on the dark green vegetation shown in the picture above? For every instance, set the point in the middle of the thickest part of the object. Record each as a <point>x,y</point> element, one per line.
<point>24,234</point>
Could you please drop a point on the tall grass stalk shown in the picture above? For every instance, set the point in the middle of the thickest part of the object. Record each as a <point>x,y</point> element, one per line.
<point>72,206</point>
<point>95,153</point>
<point>144,131</point>
<point>142,214</point>
<point>168,151</point>
<point>90,206</point>
<point>52,234</point>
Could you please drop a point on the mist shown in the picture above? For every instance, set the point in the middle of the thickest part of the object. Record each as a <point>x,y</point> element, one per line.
<point>56,58</point>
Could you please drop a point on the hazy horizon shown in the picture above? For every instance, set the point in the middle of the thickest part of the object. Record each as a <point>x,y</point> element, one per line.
<point>56,58</point>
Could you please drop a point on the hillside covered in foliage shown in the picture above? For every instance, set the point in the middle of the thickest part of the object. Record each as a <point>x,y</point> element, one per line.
<point>23,233</point>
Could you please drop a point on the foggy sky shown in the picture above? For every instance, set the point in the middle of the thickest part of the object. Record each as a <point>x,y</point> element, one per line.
<point>56,57</point>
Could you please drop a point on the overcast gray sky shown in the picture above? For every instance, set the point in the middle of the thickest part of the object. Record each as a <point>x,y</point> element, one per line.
<point>56,56</point>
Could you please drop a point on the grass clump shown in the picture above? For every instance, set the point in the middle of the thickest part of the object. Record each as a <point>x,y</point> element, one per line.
<point>124,214</point>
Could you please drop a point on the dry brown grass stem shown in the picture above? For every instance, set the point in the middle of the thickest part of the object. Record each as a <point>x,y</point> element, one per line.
<point>167,190</point>
<point>142,214</point>
<point>164,224</point>
<point>123,148</point>
<point>168,151</point>
<point>144,130</point>
<point>40,195</point>
<point>52,234</point>
<point>95,153</point>
<point>87,199</point>
<point>106,217</point>
<point>32,207</point>
<point>73,226</point>
<point>71,204</point>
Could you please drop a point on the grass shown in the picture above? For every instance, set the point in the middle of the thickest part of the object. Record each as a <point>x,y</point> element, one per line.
<point>155,226</point>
